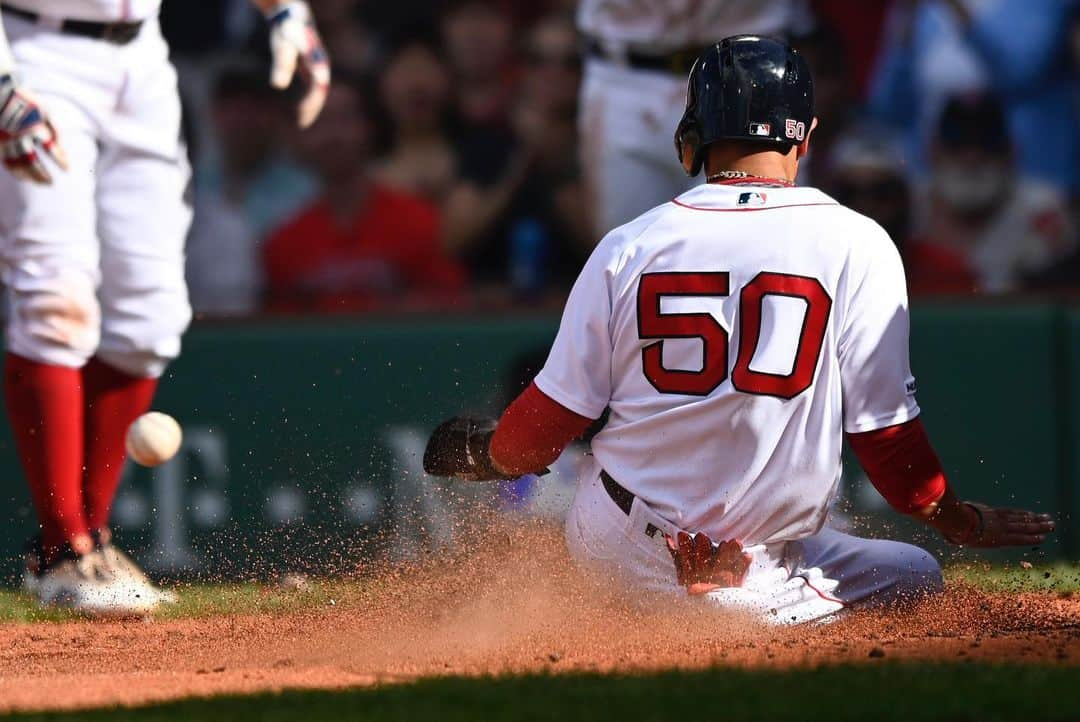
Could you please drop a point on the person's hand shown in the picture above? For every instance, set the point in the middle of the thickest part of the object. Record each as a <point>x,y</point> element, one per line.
<point>26,134</point>
<point>460,448</point>
<point>295,43</point>
<point>989,526</point>
<point>702,566</point>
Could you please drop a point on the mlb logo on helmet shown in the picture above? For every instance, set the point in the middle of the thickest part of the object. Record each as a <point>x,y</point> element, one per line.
<point>752,199</point>
<point>760,129</point>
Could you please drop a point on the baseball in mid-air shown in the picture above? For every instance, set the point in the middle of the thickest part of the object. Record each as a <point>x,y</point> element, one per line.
<point>153,438</point>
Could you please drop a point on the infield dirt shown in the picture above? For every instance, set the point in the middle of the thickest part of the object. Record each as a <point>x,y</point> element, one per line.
<point>512,605</point>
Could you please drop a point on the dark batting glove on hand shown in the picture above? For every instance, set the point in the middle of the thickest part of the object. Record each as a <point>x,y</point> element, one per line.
<point>461,448</point>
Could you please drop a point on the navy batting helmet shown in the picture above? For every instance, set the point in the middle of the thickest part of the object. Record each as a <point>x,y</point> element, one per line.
<point>746,88</point>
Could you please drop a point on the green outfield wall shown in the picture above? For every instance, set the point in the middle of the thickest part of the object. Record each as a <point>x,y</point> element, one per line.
<point>303,438</point>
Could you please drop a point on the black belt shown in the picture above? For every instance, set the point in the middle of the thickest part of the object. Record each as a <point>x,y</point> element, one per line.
<point>677,62</point>
<point>115,33</point>
<point>624,499</point>
<point>619,494</point>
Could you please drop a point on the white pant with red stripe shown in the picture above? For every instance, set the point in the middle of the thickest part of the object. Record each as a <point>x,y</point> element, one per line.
<point>788,582</point>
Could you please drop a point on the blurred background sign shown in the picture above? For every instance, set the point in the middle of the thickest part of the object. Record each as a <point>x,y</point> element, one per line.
<point>470,156</point>
<point>303,439</point>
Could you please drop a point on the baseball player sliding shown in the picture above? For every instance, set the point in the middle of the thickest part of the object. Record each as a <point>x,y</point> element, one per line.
<point>736,333</point>
<point>92,227</point>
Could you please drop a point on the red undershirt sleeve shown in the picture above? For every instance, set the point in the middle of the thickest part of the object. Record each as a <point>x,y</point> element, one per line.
<point>533,431</point>
<point>901,465</point>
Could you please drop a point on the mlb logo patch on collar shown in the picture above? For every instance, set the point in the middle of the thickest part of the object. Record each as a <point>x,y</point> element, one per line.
<point>752,199</point>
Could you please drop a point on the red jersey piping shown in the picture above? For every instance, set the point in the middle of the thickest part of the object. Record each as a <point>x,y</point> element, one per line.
<point>754,180</point>
<point>677,202</point>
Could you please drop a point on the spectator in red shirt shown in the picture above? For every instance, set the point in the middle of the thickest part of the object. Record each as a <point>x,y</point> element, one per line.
<point>360,246</point>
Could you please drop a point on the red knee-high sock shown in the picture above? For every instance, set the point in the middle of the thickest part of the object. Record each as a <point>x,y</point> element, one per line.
<point>113,400</point>
<point>45,407</point>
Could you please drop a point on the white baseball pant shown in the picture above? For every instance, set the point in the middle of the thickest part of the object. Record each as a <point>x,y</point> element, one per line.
<point>627,126</point>
<point>94,263</point>
<point>788,582</point>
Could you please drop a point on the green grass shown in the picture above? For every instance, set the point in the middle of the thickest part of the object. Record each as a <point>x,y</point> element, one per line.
<point>882,692</point>
<point>1060,577</point>
<point>206,600</point>
<point>197,600</point>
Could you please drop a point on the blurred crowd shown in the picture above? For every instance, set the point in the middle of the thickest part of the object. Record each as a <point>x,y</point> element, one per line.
<point>447,170</point>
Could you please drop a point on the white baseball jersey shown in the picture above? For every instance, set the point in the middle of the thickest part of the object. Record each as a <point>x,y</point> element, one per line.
<point>671,24</point>
<point>95,10</point>
<point>735,332</point>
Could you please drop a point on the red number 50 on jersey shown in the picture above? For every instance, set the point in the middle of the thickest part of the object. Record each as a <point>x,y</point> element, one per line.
<point>714,338</point>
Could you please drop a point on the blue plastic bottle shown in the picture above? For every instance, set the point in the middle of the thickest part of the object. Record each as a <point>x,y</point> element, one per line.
<point>528,256</point>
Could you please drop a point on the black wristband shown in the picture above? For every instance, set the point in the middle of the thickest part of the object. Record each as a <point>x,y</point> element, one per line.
<point>981,527</point>
<point>478,446</point>
<point>971,533</point>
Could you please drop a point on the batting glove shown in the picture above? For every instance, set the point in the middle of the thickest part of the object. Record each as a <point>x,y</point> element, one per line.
<point>702,566</point>
<point>26,134</point>
<point>294,42</point>
<point>461,448</point>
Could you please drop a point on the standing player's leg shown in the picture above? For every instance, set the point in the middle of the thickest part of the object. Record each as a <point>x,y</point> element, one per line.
<point>625,123</point>
<point>143,221</point>
<point>50,262</point>
<point>144,313</point>
<point>113,400</point>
